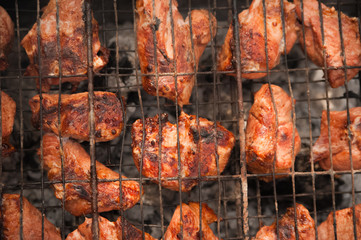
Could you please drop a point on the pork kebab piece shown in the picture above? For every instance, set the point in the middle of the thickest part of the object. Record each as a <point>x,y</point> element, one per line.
<point>265,141</point>
<point>286,226</point>
<point>73,45</point>
<point>8,110</point>
<point>252,37</point>
<point>339,140</point>
<point>6,37</point>
<point>168,58</point>
<point>200,147</point>
<point>109,114</point>
<point>191,223</point>
<point>344,225</point>
<point>118,230</point>
<point>78,193</point>
<point>31,220</point>
<point>332,40</point>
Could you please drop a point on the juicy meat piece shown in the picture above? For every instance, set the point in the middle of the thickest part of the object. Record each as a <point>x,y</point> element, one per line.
<point>73,45</point>
<point>339,140</point>
<point>74,116</point>
<point>204,26</point>
<point>344,225</point>
<point>32,222</point>
<point>6,37</point>
<point>332,46</point>
<point>264,140</point>
<point>286,226</point>
<point>191,223</point>
<point>118,230</point>
<point>8,110</point>
<point>198,150</point>
<point>252,38</point>
<point>78,195</point>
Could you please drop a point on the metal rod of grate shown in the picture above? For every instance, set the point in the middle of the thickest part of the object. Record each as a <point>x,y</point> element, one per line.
<point>242,202</point>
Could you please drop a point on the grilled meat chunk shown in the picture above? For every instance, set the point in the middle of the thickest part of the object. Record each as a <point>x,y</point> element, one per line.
<point>119,230</point>
<point>8,110</point>
<point>332,40</point>
<point>191,223</point>
<point>253,39</point>
<point>264,139</point>
<point>108,110</point>
<point>344,225</point>
<point>77,167</point>
<point>31,220</point>
<point>197,145</point>
<point>6,37</point>
<point>286,226</point>
<point>339,140</point>
<point>166,58</point>
<point>72,49</point>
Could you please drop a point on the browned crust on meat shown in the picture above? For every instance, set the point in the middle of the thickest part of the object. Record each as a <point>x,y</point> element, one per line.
<point>186,62</point>
<point>261,143</point>
<point>118,230</point>
<point>31,220</point>
<point>332,40</point>
<point>8,110</point>
<point>73,47</point>
<point>339,140</point>
<point>286,226</point>
<point>197,149</point>
<point>191,223</point>
<point>6,37</point>
<point>108,110</point>
<point>253,39</point>
<point>77,167</point>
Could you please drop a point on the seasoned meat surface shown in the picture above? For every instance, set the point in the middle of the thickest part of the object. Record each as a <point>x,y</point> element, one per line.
<point>191,223</point>
<point>108,110</point>
<point>166,58</point>
<point>264,139</point>
<point>344,225</point>
<point>8,110</point>
<point>197,145</point>
<point>253,39</point>
<point>119,230</point>
<point>73,45</point>
<point>332,40</point>
<point>339,140</point>
<point>31,220</point>
<point>6,37</point>
<point>77,167</point>
<point>286,226</point>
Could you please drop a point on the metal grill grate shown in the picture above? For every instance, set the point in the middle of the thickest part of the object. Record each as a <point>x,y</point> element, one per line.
<point>242,201</point>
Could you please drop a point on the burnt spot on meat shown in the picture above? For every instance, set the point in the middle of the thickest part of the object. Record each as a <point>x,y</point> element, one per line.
<point>113,131</point>
<point>98,133</point>
<point>195,134</point>
<point>81,191</point>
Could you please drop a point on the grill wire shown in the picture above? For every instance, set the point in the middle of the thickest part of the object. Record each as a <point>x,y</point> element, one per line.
<point>242,201</point>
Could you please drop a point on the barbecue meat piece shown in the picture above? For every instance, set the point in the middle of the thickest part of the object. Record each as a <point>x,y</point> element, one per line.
<point>339,141</point>
<point>286,226</point>
<point>6,37</point>
<point>119,230</point>
<point>109,114</point>
<point>332,46</point>
<point>253,39</point>
<point>264,141</point>
<point>73,45</point>
<point>344,225</point>
<point>8,110</point>
<point>78,195</point>
<point>191,223</point>
<point>197,144</point>
<point>31,222</point>
<point>204,26</point>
